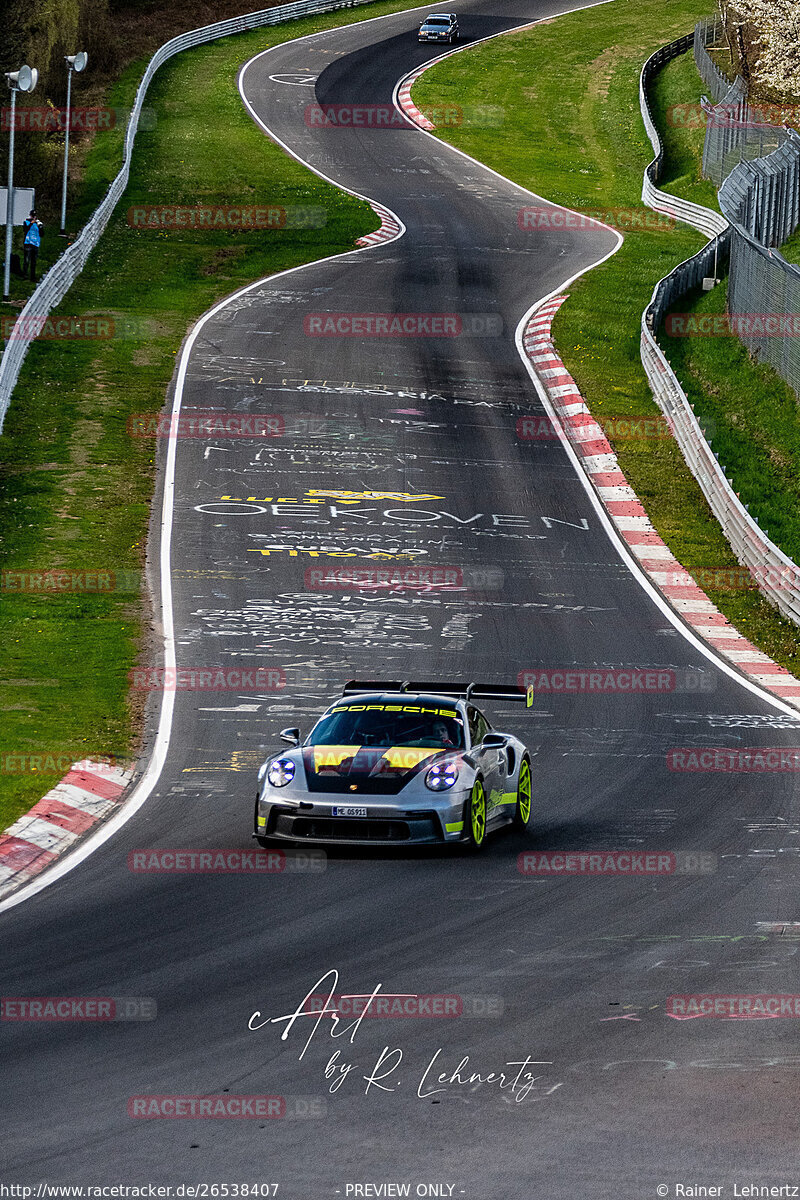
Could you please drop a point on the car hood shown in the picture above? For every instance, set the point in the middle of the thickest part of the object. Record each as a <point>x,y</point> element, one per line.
<point>376,770</point>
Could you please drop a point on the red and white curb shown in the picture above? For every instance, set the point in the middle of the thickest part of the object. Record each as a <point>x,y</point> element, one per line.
<point>402,93</point>
<point>626,511</point>
<point>87,795</point>
<point>389,230</point>
<point>404,96</point>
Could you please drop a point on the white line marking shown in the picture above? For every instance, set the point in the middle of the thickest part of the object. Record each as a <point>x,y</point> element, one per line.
<point>614,537</point>
<point>293,78</point>
<point>600,462</point>
<point>161,745</point>
<point>158,757</point>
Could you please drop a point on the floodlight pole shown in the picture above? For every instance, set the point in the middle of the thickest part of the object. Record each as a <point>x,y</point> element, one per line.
<point>10,197</point>
<point>66,148</point>
<point>75,62</point>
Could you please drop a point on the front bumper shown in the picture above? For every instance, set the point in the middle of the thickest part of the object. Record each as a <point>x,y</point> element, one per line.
<point>440,822</point>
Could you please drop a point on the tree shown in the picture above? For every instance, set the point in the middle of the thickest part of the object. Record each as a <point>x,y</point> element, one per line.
<point>764,36</point>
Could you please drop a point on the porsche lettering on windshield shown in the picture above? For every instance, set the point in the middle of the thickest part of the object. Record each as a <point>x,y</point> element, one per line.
<point>426,726</point>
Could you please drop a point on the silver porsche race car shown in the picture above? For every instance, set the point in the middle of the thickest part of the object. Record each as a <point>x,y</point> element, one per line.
<point>408,763</point>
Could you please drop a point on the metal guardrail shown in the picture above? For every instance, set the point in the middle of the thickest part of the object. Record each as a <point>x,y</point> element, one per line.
<point>686,277</point>
<point>710,223</point>
<point>59,279</point>
<point>775,574</point>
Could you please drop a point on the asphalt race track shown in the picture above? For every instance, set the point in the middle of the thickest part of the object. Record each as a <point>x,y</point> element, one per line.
<point>575,973</point>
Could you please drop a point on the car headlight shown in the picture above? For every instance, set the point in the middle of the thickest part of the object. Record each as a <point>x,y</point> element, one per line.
<point>280,772</point>
<point>441,776</point>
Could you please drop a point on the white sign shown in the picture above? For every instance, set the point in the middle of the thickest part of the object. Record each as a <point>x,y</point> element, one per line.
<point>24,201</point>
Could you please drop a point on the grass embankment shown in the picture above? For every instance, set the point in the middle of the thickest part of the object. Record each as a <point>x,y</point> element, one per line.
<point>755,420</point>
<point>75,487</point>
<point>572,132</point>
<point>791,248</point>
<point>753,416</point>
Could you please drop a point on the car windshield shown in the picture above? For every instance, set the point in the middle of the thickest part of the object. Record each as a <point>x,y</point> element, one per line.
<point>390,725</point>
<point>437,21</point>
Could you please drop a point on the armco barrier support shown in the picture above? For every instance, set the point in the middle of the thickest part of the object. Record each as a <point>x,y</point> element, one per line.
<point>775,574</point>
<point>58,280</point>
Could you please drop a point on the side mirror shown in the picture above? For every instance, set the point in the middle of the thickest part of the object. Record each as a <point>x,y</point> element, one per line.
<point>493,739</point>
<point>292,736</point>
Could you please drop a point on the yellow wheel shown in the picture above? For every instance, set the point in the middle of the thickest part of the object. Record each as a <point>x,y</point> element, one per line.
<point>476,815</point>
<point>522,813</point>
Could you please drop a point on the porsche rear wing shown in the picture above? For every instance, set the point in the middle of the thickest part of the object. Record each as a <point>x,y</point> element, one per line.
<point>460,691</point>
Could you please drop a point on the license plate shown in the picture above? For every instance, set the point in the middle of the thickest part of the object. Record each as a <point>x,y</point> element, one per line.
<point>348,810</point>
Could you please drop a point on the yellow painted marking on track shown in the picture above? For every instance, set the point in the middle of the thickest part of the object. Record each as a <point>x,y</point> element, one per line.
<point>240,760</point>
<point>405,497</point>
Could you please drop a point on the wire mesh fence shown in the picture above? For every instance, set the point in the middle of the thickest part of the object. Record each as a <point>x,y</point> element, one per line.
<point>756,166</point>
<point>764,195</point>
<point>709,33</point>
<point>738,131</point>
<point>764,304</point>
<point>776,575</point>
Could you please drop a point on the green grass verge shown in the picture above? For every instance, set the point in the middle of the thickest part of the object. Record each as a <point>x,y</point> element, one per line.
<point>674,97</point>
<point>572,132</point>
<point>791,249</point>
<point>75,487</point>
<point>754,418</point>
